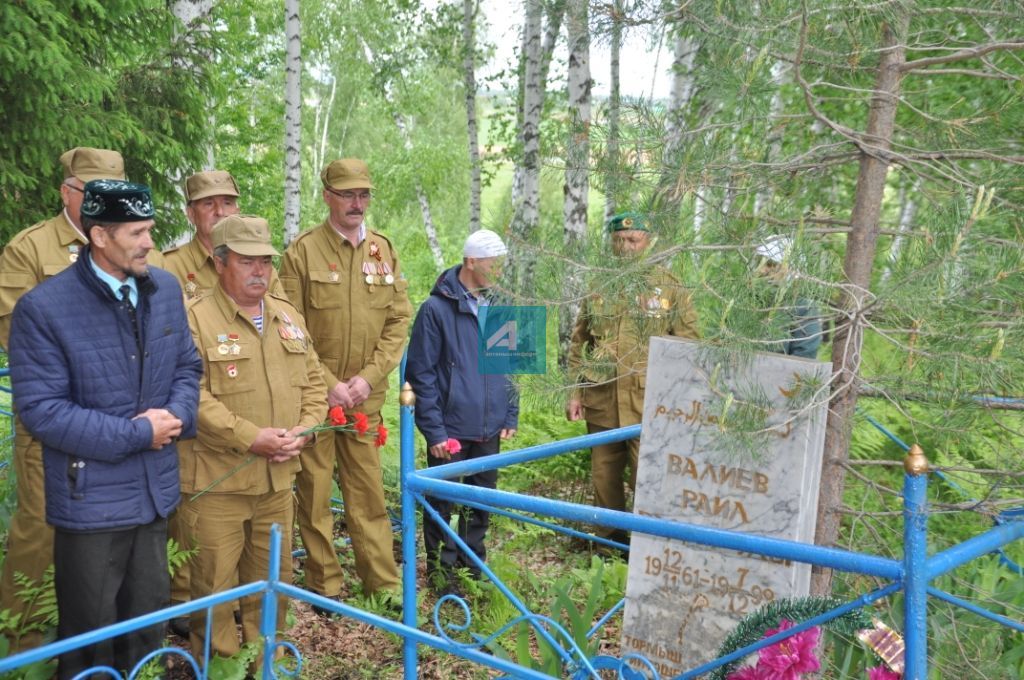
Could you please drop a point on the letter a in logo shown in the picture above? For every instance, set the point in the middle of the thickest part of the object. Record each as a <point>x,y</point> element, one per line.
<point>504,336</point>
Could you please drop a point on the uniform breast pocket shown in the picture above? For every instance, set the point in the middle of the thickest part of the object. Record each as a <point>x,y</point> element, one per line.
<point>380,297</point>
<point>324,290</point>
<point>231,373</point>
<point>295,357</point>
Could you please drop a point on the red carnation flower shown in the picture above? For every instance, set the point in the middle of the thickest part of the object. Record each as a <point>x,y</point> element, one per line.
<point>362,424</point>
<point>382,436</point>
<point>453,445</point>
<point>337,416</point>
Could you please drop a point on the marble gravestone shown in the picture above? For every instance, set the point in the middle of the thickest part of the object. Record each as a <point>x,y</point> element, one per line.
<point>683,599</point>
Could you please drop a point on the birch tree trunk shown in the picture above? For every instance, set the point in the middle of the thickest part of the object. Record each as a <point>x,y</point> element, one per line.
<point>191,14</point>
<point>292,121</point>
<point>556,10</point>
<point>861,244</point>
<point>780,75</point>
<point>469,8</point>
<point>421,195</point>
<point>613,171</point>
<point>321,125</point>
<point>908,210</point>
<point>577,163</point>
<point>682,91</point>
<point>526,215</point>
<point>684,55</point>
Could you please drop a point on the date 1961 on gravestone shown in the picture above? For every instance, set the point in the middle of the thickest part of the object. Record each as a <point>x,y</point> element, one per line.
<point>735,447</point>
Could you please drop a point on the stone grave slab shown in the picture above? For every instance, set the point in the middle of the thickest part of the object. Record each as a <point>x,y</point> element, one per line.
<point>697,467</point>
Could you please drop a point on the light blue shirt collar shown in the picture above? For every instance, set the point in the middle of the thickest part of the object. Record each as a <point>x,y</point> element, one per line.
<point>114,284</point>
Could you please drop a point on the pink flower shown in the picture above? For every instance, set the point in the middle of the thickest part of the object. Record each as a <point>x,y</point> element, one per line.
<point>452,445</point>
<point>786,660</point>
<point>747,673</point>
<point>882,673</point>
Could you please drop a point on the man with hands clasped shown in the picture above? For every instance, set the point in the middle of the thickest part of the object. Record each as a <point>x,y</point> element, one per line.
<point>262,388</point>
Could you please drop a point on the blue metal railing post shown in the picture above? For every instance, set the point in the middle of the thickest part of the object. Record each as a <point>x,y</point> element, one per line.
<point>268,620</point>
<point>408,467</point>
<point>915,556</point>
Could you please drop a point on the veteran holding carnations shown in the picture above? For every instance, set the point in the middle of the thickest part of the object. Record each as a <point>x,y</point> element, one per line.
<point>262,389</point>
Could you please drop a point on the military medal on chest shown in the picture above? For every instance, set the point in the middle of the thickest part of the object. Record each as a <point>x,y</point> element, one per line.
<point>234,348</point>
<point>191,287</point>
<point>73,253</point>
<point>333,275</point>
<point>381,269</point>
<point>232,371</point>
<point>222,346</point>
<point>289,330</point>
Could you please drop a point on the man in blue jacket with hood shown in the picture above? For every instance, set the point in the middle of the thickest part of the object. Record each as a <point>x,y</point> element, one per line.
<point>106,376</point>
<point>461,412</point>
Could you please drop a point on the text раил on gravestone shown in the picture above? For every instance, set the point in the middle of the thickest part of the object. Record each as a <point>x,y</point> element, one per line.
<point>683,599</point>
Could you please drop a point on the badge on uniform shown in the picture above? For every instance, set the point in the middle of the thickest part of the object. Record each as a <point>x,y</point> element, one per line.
<point>191,287</point>
<point>374,250</point>
<point>222,347</point>
<point>232,371</point>
<point>333,276</point>
<point>234,348</point>
<point>73,253</point>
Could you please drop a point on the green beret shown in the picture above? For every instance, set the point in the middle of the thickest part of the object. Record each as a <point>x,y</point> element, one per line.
<point>628,221</point>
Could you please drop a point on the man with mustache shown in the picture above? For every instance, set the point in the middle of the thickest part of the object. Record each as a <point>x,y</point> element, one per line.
<point>262,388</point>
<point>346,281</point>
<point>32,256</point>
<point>211,196</point>
<point>608,357</point>
<point>106,376</point>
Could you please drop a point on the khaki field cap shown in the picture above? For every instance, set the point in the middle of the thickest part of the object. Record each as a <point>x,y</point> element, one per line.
<point>346,173</point>
<point>210,183</point>
<point>244,234</point>
<point>88,164</point>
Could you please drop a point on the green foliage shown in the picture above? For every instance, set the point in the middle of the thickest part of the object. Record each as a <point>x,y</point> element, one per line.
<point>40,670</point>
<point>235,667</point>
<point>78,87</point>
<point>576,616</point>
<point>178,556</point>
<point>39,598</point>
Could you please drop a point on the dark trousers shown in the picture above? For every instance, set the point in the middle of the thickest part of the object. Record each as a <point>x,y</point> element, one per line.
<point>105,577</point>
<point>442,554</point>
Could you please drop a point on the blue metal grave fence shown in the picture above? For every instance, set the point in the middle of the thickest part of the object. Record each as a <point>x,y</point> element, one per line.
<point>912,575</point>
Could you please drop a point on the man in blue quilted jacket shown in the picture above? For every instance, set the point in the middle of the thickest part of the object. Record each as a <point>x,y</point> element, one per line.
<point>462,413</point>
<point>106,375</point>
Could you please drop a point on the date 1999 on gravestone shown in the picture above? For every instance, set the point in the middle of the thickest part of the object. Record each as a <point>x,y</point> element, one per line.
<point>729,443</point>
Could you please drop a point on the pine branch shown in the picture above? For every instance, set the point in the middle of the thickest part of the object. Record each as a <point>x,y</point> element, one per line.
<point>971,53</point>
<point>753,627</point>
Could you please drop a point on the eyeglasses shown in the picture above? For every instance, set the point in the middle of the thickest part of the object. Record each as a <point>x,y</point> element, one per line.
<point>352,195</point>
